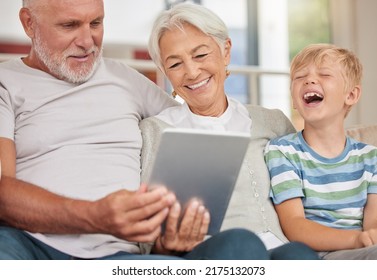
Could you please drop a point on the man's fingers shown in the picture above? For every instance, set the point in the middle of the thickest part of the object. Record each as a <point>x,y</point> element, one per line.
<point>145,205</point>
<point>145,237</point>
<point>145,227</point>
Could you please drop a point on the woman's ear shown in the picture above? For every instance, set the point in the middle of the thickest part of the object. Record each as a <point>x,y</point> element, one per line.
<point>27,22</point>
<point>354,95</point>
<point>227,49</point>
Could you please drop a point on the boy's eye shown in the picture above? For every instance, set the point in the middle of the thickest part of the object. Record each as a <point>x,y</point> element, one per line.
<point>298,77</point>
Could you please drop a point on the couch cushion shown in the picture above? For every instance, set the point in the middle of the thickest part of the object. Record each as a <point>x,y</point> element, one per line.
<point>364,133</point>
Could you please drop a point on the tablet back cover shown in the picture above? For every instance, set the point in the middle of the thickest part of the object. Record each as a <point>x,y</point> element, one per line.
<point>200,164</point>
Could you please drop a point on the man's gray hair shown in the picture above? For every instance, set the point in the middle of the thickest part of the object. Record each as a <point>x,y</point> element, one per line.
<point>26,3</point>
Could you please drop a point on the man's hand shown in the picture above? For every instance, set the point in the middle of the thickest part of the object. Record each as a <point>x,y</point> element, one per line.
<point>133,216</point>
<point>184,235</point>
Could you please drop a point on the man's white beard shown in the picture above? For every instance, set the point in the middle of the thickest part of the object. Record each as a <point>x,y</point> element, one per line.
<point>58,66</point>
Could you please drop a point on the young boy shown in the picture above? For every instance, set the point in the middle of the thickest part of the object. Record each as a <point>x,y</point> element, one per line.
<point>324,184</point>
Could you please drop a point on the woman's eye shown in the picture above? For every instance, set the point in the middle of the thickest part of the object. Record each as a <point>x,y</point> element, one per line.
<point>174,65</point>
<point>201,55</point>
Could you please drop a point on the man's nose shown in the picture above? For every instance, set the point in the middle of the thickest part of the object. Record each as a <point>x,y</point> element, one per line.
<point>85,38</point>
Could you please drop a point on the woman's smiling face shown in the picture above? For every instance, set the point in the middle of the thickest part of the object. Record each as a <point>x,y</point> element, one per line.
<point>196,67</point>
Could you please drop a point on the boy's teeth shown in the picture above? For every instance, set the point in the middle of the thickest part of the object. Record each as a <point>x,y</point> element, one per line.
<point>311,97</point>
<point>311,94</point>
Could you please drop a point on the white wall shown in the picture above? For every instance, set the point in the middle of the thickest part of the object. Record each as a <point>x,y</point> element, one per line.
<point>354,24</point>
<point>366,46</point>
<point>10,26</point>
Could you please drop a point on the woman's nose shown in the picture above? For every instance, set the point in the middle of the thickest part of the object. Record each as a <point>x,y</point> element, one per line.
<point>192,70</point>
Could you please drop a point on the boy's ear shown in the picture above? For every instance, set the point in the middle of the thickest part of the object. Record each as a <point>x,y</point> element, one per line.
<point>354,95</point>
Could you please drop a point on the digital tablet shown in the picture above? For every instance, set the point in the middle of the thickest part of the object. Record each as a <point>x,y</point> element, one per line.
<point>200,164</point>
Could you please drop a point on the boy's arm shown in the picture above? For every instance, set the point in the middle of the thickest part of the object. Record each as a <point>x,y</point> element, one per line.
<point>370,214</point>
<point>320,238</point>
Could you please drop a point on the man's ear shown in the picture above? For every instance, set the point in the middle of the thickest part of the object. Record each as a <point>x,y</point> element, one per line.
<point>354,95</point>
<point>27,22</point>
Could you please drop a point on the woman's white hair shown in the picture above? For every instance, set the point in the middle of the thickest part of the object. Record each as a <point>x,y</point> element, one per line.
<point>194,14</point>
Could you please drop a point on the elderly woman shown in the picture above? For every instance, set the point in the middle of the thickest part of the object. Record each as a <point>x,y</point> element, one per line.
<point>191,46</point>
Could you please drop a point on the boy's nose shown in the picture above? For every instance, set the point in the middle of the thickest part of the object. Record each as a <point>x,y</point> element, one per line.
<point>310,81</point>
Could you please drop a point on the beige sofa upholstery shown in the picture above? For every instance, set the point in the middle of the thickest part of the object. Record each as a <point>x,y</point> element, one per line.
<point>364,133</point>
<point>250,206</point>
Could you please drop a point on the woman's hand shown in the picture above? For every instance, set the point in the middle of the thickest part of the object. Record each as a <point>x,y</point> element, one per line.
<point>183,235</point>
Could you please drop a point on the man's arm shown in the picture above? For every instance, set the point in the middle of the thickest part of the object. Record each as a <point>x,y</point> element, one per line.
<point>7,157</point>
<point>135,216</point>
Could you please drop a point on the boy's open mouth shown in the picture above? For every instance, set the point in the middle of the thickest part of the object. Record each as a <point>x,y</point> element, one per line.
<point>313,97</point>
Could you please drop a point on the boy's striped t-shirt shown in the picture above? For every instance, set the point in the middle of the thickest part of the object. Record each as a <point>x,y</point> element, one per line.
<point>333,191</point>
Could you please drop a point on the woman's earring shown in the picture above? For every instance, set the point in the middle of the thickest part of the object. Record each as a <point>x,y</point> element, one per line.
<point>227,73</point>
<point>174,94</point>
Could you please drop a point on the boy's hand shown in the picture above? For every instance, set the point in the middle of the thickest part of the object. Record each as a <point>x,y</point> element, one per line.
<point>366,238</point>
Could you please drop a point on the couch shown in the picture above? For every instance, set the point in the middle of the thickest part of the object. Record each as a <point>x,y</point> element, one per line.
<point>250,206</point>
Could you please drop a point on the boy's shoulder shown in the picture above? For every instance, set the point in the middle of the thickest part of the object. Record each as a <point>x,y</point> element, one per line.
<point>361,146</point>
<point>288,139</point>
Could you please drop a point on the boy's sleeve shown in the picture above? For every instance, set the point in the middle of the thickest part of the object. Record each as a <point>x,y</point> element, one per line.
<point>286,182</point>
<point>372,187</point>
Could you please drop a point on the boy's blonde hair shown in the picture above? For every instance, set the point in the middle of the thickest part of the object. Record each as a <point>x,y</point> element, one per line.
<point>316,53</point>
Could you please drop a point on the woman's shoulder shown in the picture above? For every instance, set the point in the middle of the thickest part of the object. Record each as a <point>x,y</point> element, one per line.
<point>286,140</point>
<point>152,125</point>
<point>271,121</point>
